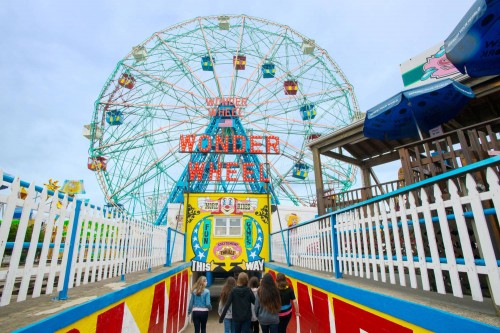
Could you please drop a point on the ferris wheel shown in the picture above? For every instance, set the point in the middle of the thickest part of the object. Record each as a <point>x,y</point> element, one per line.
<point>269,80</point>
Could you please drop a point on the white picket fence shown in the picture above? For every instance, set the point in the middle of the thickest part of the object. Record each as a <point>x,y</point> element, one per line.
<point>418,237</point>
<point>106,244</point>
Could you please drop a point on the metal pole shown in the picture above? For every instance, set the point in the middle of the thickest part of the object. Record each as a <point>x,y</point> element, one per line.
<point>63,294</point>
<point>336,263</point>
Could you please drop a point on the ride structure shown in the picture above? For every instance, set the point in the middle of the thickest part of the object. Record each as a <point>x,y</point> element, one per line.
<point>237,79</point>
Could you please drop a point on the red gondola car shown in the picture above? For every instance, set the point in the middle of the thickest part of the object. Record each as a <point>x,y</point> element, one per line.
<point>239,62</point>
<point>291,87</point>
<point>97,163</point>
<point>127,81</point>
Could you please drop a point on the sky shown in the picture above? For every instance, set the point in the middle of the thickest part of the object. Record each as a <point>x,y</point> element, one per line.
<point>56,56</point>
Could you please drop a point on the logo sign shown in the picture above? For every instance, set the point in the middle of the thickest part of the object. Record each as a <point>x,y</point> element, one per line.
<point>224,250</point>
<point>228,206</point>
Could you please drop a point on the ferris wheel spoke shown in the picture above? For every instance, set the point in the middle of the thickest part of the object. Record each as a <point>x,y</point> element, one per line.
<point>159,79</point>
<point>238,50</point>
<point>286,188</point>
<point>180,59</point>
<point>278,79</point>
<point>146,134</point>
<point>143,172</point>
<point>217,82</point>
<point>261,61</point>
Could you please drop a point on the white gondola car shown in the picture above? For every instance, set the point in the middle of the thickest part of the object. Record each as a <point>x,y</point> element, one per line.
<point>87,132</point>
<point>307,46</point>
<point>139,53</point>
<point>223,22</point>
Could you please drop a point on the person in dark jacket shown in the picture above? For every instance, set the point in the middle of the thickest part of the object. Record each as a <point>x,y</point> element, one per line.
<point>241,300</point>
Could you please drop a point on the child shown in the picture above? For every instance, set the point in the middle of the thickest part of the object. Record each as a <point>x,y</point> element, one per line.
<point>287,299</point>
<point>241,298</point>
<point>199,305</point>
<point>224,296</point>
<point>268,305</point>
<point>254,285</point>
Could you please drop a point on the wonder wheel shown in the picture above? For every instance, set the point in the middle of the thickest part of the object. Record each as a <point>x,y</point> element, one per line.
<point>217,76</point>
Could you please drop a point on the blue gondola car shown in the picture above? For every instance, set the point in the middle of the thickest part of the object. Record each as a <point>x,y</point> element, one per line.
<point>114,117</point>
<point>268,70</point>
<point>300,170</point>
<point>207,64</point>
<point>308,111</point>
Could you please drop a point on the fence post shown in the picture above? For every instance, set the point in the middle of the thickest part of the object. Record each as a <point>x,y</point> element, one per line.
<point>63,294</point>
<point>168,261</point>
<point>336,263</point>
<point>287,252</point>
<point>289,260</point>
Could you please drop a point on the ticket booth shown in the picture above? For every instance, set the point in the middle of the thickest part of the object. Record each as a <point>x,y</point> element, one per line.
<point>227,233</point>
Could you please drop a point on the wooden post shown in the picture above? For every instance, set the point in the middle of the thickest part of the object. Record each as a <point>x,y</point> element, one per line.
<point>318,178</point>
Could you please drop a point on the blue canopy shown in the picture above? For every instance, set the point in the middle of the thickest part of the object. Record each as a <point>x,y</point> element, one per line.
<point>421,108</point>
<point>474,45</point>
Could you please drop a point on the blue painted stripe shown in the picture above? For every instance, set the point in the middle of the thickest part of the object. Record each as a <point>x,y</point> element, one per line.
<point>68,317</point>
<point>426,317</point>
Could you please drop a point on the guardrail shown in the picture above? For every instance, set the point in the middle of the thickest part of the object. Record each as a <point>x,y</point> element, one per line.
<point>50,241</point>
<point>417,236</point>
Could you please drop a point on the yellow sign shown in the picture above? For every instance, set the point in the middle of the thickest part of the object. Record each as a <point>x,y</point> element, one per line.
<point>227,232</point>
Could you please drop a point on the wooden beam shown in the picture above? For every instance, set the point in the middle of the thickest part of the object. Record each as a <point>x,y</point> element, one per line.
<point>318,179</point>
<point>343,158</point>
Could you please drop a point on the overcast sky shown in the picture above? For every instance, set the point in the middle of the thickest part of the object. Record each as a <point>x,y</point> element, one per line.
<point>55,57</point>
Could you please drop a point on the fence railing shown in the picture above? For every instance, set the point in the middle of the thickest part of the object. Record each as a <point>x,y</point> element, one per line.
<point>48,241</point>
<point>415,237</point>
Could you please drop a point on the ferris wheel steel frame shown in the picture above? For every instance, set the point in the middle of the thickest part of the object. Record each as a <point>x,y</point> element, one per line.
<point>168,96</point>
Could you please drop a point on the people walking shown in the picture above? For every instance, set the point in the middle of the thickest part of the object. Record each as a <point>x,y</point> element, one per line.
<point>253,284</point>
<point>241,299</point>
<point>287,298</point>
<point>199,305</point>
<point>224,296</point>
<point>268,305</point>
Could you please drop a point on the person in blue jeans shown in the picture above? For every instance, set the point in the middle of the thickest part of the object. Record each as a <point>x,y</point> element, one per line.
<point>241,299</point>
<point>199,305</point>
<point>268,305</point>
<point>224,296</point>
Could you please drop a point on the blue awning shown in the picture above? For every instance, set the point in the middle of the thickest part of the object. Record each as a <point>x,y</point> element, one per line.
<point>474,45</point>
<point>417,109</point>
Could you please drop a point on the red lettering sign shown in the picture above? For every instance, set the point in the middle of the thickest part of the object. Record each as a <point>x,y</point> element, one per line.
<point>111,321</point>
<point>315,316</point>
<point>350,319</point>
<point>157,316</point>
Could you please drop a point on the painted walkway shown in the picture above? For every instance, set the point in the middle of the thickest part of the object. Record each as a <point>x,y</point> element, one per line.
<point>18,315</point>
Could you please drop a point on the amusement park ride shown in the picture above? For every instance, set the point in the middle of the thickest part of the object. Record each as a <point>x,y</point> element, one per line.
<point>217,104</point>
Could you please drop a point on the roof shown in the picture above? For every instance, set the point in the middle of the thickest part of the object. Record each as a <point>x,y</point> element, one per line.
<point>348,144</point>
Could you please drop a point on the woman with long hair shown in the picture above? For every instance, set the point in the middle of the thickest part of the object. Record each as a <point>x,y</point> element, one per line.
<point>268,305</point>
<point>241,298</point>
<point>287,298</point>
<point>199,305</point>
<point>224,296</point>
<point>254,285</point>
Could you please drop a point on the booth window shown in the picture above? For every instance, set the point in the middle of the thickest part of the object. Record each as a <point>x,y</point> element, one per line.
<point>228,226</point>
